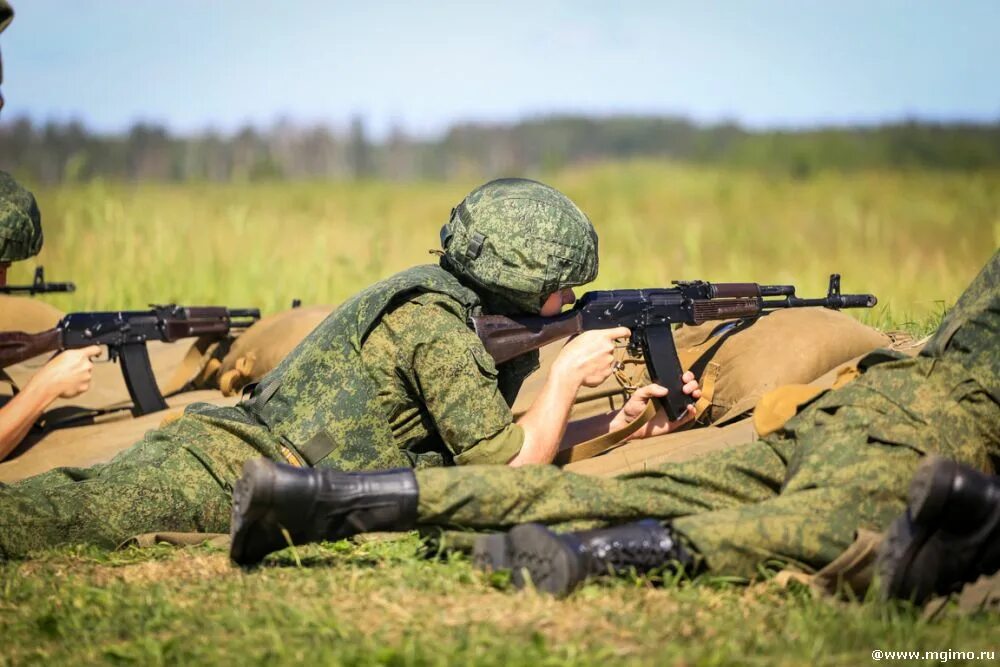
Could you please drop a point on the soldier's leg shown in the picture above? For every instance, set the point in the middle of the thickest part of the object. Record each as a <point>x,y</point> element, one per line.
<point>969,330</point>
<point>497,497</point>
<point>805,530</point>
<point>807,527</point>
<point>177,478</point>
<point>273,503</point>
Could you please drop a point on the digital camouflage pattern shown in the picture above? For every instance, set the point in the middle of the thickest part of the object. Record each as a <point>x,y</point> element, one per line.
<point>797,497</point>
<point>20,222</point>
<point>430,395</point>
<point>427,372</point>
<point>515,241</point>
<point>179,477</point>
<point>444,404</point>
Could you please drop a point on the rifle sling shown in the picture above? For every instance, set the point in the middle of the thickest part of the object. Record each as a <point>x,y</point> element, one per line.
<point>607,442</point>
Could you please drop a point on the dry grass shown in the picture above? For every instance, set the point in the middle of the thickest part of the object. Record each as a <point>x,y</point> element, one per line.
<point>914,239</point>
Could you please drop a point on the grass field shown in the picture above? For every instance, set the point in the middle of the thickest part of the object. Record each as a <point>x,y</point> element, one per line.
<point>914,239</point>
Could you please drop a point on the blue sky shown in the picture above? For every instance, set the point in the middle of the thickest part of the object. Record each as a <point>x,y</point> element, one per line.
<point>192,64</point>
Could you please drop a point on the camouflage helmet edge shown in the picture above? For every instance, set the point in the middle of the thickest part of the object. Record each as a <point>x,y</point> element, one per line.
<point>517,240</point>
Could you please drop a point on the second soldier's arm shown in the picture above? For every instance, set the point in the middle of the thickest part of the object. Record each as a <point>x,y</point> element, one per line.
<point>65,375</point>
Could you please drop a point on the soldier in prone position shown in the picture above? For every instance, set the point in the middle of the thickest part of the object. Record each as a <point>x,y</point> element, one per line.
<point>794,498</point>
<point>394,377</point>
<point>66,375</point>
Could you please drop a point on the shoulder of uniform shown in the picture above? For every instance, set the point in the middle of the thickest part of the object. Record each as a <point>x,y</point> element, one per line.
<point>424,318</point>
<point>437,301</point>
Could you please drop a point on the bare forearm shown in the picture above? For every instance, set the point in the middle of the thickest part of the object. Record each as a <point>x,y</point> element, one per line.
<point>545,421</point>
<point>582,430</point>
<point>20,413</point>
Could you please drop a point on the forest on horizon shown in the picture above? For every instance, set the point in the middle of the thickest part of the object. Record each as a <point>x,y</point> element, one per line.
<point>66,152</point>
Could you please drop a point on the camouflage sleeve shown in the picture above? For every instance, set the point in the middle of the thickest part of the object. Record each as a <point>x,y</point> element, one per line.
<point>456,380</point>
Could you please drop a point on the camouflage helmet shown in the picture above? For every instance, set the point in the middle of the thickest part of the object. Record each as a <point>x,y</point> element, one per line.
<point>6,14</point>
<point>515,241</point>
<point>20,221</point>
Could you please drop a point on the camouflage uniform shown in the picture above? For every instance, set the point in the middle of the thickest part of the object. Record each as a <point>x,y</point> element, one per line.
<point>797,496</point>
<point>20,222</point>
<point>393,377</point>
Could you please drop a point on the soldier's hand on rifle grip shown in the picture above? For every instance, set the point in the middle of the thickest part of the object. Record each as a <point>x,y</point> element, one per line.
<point>659,424</point>
<point>67,374</point>
<point>589,358</point>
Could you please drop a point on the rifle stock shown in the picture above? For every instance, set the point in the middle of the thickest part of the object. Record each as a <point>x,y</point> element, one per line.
<point>17,346</point>
<point>505,337</point>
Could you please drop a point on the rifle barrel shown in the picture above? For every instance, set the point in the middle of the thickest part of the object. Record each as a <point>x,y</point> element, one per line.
<point>239,313</point>
<point>836,302</point>
<point>777,290</point>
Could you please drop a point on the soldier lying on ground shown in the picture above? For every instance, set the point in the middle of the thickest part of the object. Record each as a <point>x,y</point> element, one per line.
<point>67,374</point>
<point>393,377</point>
<point>794,498</point>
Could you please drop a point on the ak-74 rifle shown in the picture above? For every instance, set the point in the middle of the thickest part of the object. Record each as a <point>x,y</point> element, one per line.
<point>38,286</point>
<point>125,333</point>
<point>649,313</point>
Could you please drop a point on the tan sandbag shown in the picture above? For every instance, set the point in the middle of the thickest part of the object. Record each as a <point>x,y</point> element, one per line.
<point>84,446</point>
<point>21,313</point>
<point>781,404</point>
<point>262,347</point>
<point>785,347</point>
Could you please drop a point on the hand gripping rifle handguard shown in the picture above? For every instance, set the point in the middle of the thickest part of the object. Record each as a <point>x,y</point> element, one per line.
<point>650,314</point>
<point>125,333</point>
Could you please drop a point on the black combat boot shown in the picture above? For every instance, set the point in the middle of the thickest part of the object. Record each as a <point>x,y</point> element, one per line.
<point>558,563</point>
<point>309,505</point>
<point>948,536</point>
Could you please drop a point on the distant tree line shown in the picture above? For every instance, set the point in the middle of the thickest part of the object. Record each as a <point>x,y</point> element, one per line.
<point>69,152</point>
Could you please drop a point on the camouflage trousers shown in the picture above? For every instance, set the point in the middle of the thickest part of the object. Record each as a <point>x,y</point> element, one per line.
<point>794,498</point>
<point>177,478</point>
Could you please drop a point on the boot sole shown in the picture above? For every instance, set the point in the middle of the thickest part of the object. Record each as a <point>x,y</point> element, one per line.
<point>251,502</point>
<point>930,488</point>
<point>491,553</point>
<point>539,558</point>
<point>928,495</point>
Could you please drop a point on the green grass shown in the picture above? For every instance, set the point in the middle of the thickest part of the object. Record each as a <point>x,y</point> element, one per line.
<point>383,602</point>
<point>914,239</point>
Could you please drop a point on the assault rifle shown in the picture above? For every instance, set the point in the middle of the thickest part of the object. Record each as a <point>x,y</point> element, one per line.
<point>649,313</point>
<point>125,334</point>
<point>38,286</point>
